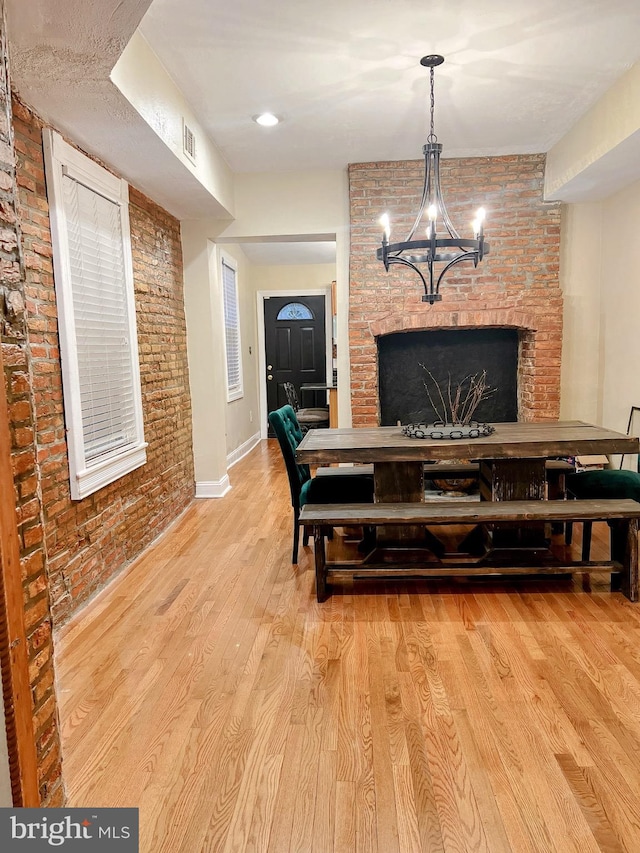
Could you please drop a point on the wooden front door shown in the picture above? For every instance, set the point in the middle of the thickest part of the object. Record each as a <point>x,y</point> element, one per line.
<point>295,346</point>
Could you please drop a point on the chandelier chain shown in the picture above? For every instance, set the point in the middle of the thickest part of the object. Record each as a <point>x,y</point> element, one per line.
<point>432,136</point>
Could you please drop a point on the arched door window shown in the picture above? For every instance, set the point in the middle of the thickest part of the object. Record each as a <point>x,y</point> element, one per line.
<point>294,311</point>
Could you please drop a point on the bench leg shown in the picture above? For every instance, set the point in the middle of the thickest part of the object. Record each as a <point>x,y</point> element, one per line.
<point>557,491</point>
<point>308,530</point>
<point>321,563</point>
<point>630,572</point>
<point>618,532</point>
<point>587,527</point>
<point>568,532</point>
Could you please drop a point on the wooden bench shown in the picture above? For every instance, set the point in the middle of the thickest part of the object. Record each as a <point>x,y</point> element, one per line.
<point>622,516</point>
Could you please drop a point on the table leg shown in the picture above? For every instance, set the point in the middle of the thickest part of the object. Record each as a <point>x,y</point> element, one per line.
<point>397,482</point>
<point>511,480</point>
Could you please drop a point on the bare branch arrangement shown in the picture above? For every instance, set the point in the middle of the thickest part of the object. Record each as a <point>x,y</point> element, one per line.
<point>457,404</point>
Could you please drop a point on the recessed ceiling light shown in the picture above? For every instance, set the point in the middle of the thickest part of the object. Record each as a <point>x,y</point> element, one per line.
<point>266,119</point>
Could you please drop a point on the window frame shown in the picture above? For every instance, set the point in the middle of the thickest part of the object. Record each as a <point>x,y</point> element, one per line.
<point>235,392</point>
<point>87,476</point>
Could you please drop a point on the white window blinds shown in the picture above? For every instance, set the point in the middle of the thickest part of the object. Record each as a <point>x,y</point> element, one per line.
<point>96,317</point>
<point>232,329</point>
<point>102,323</point>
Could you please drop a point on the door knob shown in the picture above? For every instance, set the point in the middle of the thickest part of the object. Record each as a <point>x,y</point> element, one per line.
<point>269,367</point>
<point>270,376</point>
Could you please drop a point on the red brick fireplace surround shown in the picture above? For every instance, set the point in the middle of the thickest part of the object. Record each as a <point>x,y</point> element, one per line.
<point>516,286</point>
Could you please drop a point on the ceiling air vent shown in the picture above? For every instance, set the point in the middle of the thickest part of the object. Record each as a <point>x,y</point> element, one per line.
<point>189,142</point>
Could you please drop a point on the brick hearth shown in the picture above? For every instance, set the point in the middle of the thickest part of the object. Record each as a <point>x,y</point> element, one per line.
<point>515,286</point>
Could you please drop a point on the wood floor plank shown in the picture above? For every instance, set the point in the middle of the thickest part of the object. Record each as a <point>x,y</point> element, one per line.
<point>207,686</point>
<point>492,821</point>
<point>307,792</point>
<point>366,805</point>
<point>427,818</point>
<point>408,832</point>
<point>385,801</point>
<point>517,780</point>
<point>324,816</point>
<point>590,803</point>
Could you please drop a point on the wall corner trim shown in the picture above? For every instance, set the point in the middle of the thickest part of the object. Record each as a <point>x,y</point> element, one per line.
<point>213,488</point>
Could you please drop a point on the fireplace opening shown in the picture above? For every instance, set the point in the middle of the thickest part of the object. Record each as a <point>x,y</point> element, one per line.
<point>455,353</point>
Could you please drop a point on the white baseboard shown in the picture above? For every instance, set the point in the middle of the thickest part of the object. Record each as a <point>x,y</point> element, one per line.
<point>242,451</point>
<point>219,488</point>
<point>213,488</point>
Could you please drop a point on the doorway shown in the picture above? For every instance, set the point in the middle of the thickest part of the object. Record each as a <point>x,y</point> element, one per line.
<point>294,347</point>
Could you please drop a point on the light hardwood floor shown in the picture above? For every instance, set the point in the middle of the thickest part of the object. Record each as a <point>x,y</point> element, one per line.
<point>207,687</point>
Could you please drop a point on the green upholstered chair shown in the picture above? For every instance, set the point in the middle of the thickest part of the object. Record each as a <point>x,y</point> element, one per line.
<point>601,484</point>
<point>348,488</point>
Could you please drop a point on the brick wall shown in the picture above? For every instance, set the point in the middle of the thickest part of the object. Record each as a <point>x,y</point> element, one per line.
<point>18,361</point>
<point>89,541</point>
<point>515,286</point>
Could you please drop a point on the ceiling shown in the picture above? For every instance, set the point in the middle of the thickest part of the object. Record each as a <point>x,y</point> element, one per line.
<point>344,76</point>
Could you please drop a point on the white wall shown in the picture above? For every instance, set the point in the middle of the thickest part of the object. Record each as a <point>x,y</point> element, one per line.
<point>595,169</point>
<point>600,154</point>
<point>600,278</point>
<point>284,203</point>
<point>580,274</point>
<point>205,348</point>
<point>143,81</point>
<point>620,306</point>
<point>296,278</point>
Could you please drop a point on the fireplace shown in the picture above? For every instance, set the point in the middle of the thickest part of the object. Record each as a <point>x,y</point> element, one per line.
<point>516,290</point>
<point>450,356</point>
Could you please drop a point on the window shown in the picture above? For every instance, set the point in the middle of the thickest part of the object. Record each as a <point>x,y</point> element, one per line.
<point>96,317</point>
<point>294,311</point>
<point>232,328</point>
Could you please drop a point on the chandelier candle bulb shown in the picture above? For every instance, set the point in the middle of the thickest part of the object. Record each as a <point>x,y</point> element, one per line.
<point>478,226</point>
<point>386,226</point>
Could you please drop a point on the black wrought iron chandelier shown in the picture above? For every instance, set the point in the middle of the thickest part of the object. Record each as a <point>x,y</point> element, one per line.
<point>433,249</point>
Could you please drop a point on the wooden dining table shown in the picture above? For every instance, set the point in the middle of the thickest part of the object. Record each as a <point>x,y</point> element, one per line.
<point>512,457</point>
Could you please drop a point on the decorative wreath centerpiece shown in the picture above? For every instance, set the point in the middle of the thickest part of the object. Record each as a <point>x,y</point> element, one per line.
<point>454,408</point>
<point>442,430</point>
